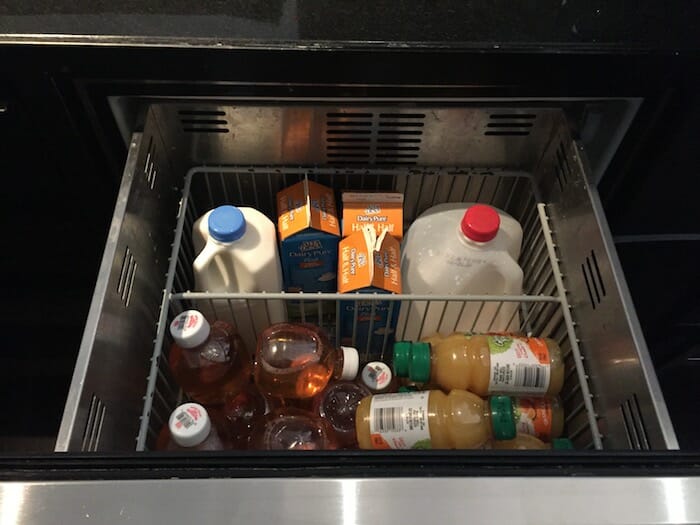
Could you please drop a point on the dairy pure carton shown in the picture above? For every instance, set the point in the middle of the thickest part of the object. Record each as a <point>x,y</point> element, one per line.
<point>307,223</point>
<point>382,211</point>
<point>369,263</point>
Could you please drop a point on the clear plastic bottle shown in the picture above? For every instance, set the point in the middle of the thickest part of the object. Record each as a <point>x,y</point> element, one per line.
<point>242,412</point>
<point>296,361</point>
<point>207,361</point>
<point>294,429</point>
<point>378,378</point>
<point>455,249</point>
<point>433,420</point>
<point>337,405</point>
<point>484,364</point>
<point>189,428</point>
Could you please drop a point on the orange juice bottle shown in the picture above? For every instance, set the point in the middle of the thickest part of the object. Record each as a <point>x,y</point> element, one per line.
<point>541,417</point>
<point>528,442</point>
<point>433,420</point>
<point>484,364</point>
<point>520,442</point>
<point>296,361</point>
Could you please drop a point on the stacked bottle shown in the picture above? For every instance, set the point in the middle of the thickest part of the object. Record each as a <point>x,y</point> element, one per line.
<point>469,366</point>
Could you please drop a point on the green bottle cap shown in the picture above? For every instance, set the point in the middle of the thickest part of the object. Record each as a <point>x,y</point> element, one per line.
<point>562,444</point>
<point>502,418</point>
<point>402,353</point>
<point>419,365</point>
<point>404,389</point>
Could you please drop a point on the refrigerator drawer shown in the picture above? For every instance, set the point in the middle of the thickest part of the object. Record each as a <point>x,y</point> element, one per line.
<point>191,157</point>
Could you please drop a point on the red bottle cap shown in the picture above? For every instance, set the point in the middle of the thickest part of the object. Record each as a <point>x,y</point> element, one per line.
<point>480,223</point>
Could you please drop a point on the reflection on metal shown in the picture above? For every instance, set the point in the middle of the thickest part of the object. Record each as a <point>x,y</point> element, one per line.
<point>351,501</point>
<point>611,339</point>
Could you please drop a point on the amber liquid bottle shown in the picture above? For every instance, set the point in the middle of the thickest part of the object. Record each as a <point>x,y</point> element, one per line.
<point>209,362</point>
<point>296,361</point>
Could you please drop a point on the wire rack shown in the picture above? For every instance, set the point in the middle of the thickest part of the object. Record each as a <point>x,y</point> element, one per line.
<point>542,310</point>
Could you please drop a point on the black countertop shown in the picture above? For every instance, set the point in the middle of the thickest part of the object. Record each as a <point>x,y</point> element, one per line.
<point>544,24</point>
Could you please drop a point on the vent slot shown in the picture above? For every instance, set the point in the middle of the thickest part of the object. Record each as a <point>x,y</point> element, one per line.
<point>93,427</point>
<point>149,168</point>
<point>203,121</point>
<point>593,279</point>
<point>369,138</point>
<point>562,167</point>
<point>634,424</point>
<point>127,276</point>
<point>509,124</point>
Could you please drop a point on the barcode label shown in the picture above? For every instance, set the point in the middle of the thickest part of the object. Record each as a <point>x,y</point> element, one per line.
<point>518,365</point>
<point>530,376</point>
<point>388,419</point>
<point>185,419</point>
<point>399,421</point>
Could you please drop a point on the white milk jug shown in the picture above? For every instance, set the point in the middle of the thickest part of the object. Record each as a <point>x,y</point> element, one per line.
<point>237,253</point>
<point>460,249</point>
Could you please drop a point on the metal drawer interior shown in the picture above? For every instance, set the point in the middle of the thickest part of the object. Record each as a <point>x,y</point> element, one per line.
<point>192,156</point>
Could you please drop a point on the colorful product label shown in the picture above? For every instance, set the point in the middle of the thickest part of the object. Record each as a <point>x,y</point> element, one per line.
<point>533,415</point>
<point>375,327</point>
<point>382,211</point>
<point>309,233</point>
<point>518,364</point>
<point>400,421</point>
<point>309,262</point>
<point>368,264</point>
<point>367,259</point>
<point>306,205</point>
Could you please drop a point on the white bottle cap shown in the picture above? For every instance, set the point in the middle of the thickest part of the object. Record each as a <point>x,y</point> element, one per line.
<point>351,363</point>
<point>189,425</point>
<point>190,329</point>
<point>376,375</point>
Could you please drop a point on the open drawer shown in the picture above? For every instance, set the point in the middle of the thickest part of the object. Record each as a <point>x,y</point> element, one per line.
<point>193,156</point>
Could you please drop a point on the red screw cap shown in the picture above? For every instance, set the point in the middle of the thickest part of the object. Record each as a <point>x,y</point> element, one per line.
<point>480,223</point>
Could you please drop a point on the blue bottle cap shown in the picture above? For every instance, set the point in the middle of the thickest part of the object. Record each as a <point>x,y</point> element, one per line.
<point>226,224</point>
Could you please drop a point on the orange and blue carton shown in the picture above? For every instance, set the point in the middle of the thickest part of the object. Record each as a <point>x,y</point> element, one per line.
<point>369,264</point>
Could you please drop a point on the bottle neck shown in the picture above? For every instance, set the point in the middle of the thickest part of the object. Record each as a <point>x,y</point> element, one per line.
<point>471,243</point>
<point>339,364</point>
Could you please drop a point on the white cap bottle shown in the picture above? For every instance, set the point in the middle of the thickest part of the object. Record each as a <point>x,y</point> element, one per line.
<point>377,376</point>
<point>189,425</point>
<point>351,363</point>
<point>190,329</point>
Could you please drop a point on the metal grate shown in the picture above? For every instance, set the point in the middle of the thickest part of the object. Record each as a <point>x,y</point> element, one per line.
<point>203,121</point>
<point>93,427</point>
<point>150,169</point>
<point>562,167</point>
<point>543,309</point>
<point>634,424</point>
<point>361,138</point>
<point>593,279</point>
<point>126,276</point>
<point>509,124</point>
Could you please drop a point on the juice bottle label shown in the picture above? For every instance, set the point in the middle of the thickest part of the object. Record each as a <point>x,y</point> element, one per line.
<point>518,365</point>
<point>399,421</point>
<point>533,415</point>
